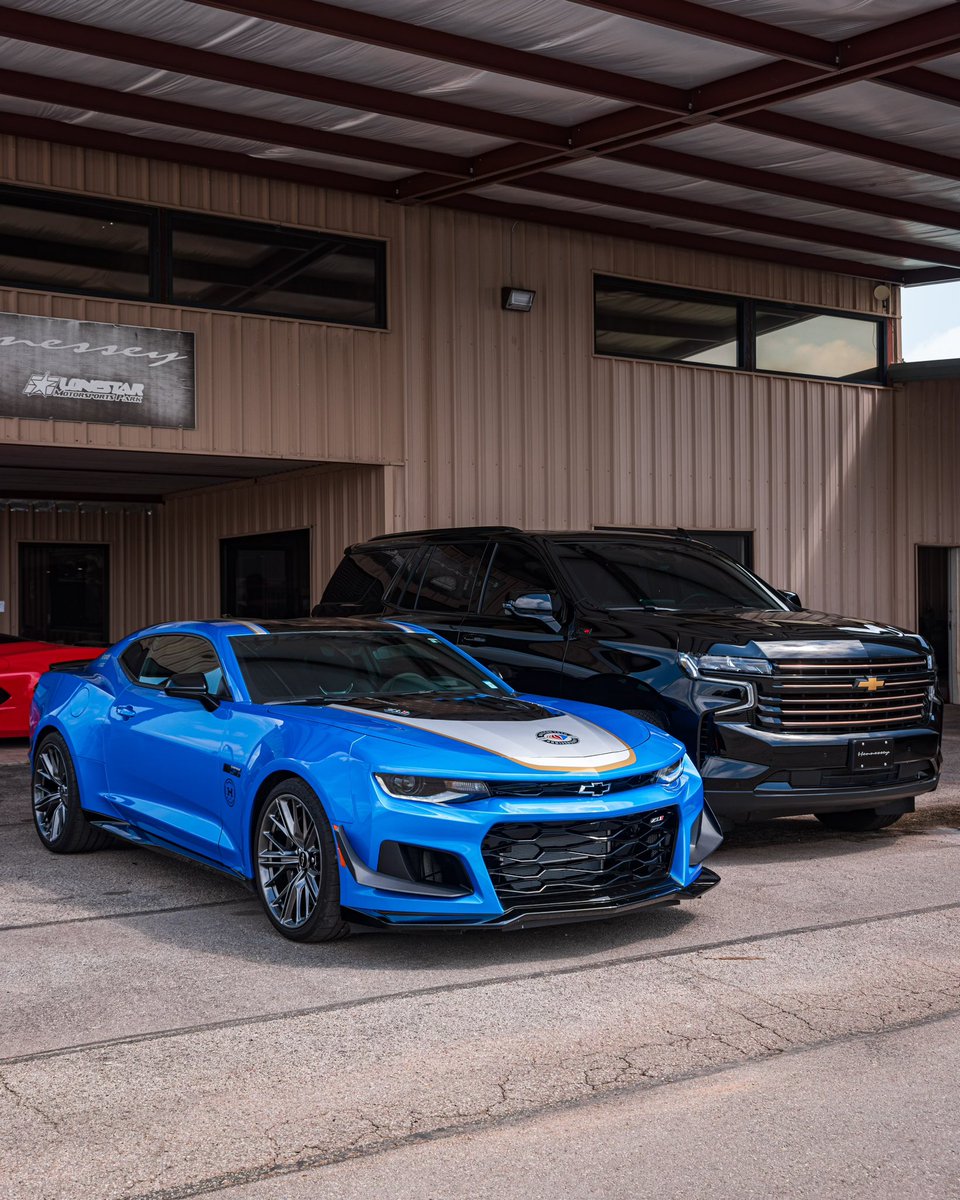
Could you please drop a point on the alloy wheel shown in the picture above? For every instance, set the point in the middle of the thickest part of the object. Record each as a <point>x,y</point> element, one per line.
<point>51,789</point>
<point>290,860</point>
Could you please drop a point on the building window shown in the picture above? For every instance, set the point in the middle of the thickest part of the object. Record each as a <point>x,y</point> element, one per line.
<point>638,320</point>
<point>286,272</point>
<point>69,244</point>
<point>266,575</point>
<point>92,247</point>
<point>666,324</point>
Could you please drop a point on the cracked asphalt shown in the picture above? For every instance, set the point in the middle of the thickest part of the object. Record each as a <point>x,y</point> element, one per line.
<point>797,1031</point>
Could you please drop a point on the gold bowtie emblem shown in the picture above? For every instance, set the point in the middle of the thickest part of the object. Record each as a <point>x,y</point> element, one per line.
<point>872,684</point>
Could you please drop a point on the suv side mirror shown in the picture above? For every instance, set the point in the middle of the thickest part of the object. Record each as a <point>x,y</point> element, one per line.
<point>542,605</point>
<point>533,604</point>
<point>791,598</point>
<point>191,686</point>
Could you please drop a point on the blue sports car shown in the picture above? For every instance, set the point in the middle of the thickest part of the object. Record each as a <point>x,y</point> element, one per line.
<point>362,773</point>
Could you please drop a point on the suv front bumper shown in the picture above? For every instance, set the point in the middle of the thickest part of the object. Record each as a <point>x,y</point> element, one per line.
<point>761,774</point>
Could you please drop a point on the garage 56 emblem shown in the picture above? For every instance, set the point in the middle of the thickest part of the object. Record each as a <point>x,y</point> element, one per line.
<point>557,737</point>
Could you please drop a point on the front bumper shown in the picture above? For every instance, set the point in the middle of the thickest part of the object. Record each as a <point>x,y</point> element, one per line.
<point>373,897</point>
<point>760,774</point>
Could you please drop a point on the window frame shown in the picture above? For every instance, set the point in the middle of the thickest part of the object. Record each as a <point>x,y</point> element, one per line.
<point>746,329</point>
<point>548,561</point>
<point>479,576</point>
<point>225,691</point>
<point>161,222</point>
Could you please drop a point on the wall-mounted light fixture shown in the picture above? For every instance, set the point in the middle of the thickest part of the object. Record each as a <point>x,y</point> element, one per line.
<point>517,299</point>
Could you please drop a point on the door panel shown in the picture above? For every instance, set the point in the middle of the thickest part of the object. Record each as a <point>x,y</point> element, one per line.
<point>933,605</point>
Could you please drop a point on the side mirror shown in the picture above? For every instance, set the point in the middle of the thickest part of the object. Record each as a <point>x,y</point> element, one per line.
<point>533,604</point>
<point>791,598</point>
<point>190,686</point>
<point>542,605</point>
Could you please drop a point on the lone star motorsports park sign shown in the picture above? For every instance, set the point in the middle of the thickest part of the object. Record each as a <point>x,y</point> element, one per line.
<point>86,371</point>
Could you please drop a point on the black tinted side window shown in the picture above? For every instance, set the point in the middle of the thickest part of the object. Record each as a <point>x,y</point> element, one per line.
<point>447,574</point>
<point>169,654</point>
<point>364,577</point>
<point>516,570</point>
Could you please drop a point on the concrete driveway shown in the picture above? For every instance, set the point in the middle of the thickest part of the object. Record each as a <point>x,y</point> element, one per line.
<point>796,1032</point>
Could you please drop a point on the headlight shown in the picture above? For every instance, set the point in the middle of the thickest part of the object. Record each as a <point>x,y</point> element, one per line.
<point>724,664</point>
<point>430,790</point>
<point>671,774</point>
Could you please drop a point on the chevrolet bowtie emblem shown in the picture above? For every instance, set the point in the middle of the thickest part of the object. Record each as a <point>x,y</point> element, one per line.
<point>872,684</point>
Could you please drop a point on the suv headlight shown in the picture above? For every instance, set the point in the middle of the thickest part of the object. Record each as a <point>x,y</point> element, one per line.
<point>671,774</point>
<point>430,790</point>
<point>724,664</point>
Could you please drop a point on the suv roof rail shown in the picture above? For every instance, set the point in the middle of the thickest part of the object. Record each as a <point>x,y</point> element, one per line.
<point>678,532</point>
<point>453,529</point>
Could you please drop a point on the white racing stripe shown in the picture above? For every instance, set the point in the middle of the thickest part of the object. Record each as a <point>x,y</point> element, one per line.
<point>595,749</point>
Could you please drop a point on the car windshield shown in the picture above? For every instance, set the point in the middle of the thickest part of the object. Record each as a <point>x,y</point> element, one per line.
<point>646,575</point>
<point>327,667</point>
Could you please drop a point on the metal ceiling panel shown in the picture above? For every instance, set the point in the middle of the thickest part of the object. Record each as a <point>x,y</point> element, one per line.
<point>831,20</point>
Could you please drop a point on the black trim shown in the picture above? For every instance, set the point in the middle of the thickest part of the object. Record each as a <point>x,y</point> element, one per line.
<point>391,883</point>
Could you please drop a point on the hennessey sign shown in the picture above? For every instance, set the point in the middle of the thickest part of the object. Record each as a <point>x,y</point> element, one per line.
<point>87,371</point>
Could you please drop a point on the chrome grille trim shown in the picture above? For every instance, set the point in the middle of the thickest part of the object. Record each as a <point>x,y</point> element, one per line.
<point>823,697</point>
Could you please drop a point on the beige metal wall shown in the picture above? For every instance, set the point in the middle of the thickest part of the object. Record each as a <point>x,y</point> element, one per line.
<point>481,415</point>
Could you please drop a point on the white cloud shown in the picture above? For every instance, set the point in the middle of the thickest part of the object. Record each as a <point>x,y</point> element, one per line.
<point>945,344</point>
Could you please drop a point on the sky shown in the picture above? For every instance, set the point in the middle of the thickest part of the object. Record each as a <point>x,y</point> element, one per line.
<point>931,321</point>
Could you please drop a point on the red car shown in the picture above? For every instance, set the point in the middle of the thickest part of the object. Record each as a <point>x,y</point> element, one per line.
<point>21,665</point>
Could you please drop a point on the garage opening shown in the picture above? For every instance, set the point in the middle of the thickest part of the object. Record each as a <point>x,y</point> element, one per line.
<point>266,575</point>
<point>64,593</point>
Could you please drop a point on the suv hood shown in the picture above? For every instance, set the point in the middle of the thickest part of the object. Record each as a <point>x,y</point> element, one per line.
<point>767,632</point>
<point>539,736</point>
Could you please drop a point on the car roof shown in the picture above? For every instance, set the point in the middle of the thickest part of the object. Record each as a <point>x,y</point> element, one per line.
<point>236,626</point>
<point>506,532</point>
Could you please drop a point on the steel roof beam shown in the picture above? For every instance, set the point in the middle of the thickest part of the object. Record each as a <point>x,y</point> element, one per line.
<point>185,154</point>
<point>720,25</point>
<point>795,187</point>
<point>101,42</point>
<point>703,243</point>
<point>422,40</point>
<point>928,84</point>
<point>745,219</point>
<point>136,106</point>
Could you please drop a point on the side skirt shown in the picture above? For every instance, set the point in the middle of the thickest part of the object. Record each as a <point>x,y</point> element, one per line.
<point>122,829</point>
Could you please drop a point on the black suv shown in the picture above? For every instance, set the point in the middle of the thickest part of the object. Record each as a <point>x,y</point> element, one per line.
<point>784,711</point>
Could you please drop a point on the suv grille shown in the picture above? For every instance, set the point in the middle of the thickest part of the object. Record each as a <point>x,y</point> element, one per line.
<point>843,696</point>
<point>577,864</point>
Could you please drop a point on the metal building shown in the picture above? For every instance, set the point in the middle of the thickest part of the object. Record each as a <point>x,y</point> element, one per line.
<point>714,206</point>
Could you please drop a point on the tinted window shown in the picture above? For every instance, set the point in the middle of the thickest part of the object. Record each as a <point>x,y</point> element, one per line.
<point>327,667</point>
<point>269,269</point>
<point>811,343</point>
<point>516,570</point>
<point>642,575</point>
<point>152,661</point>
<point>644,322</point>
<point>266,575</point>
<point>447,574</point>
<point>364,577</point>
<point>68,244</point>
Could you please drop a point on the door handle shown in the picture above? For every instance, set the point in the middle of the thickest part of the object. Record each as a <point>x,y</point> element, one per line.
<point>474,639</point>
<point>125,711</point>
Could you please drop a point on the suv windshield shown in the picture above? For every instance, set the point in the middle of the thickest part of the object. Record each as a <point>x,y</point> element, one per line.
<point>321,667</point>
<point>646,575</point>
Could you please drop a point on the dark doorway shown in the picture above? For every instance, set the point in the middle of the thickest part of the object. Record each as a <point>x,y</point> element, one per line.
<point>933,606</point>
<point>64,593</point>
<point>267,575</point>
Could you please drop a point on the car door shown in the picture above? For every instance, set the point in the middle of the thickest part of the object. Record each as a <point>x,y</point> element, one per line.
<point>527,650</point>
<point>163,753</point>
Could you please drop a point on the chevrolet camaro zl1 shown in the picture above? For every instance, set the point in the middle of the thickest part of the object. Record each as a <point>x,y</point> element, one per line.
<point>365,774</point>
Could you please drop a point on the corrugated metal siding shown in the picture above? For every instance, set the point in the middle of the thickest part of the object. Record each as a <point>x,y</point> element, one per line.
<point>505,416</point>
<point>131,564</point>
<point>338,507</point>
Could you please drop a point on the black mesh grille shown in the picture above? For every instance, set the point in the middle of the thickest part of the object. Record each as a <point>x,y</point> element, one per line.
<point>576,864</point>
<point>561,787</point>
<point>826,696</point>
